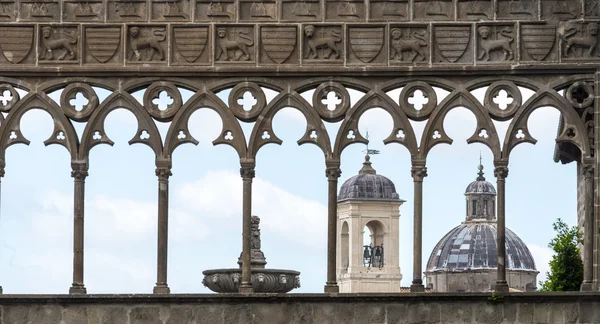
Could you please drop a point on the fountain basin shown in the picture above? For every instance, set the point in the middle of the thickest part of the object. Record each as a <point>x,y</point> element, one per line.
<point>263,280</point>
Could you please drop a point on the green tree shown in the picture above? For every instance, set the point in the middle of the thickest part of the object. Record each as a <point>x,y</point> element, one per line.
<point>566,267</point>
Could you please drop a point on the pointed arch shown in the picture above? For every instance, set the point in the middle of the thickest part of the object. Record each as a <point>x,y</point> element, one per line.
<point>313,124</point>
<point>459,98</point>
<point>35,100</point>
<point>201,100</point>
<point>95,125</point>
<point>376,99</point>
<point>574,130</point>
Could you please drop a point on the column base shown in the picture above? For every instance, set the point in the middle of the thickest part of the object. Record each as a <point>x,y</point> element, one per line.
<point>77,290</point>
<point>587,286</point>
<point>332,288</point>
<point>501,287</point>
<point>161,289</point>
<point>417,288</point>
<point>246,288</point>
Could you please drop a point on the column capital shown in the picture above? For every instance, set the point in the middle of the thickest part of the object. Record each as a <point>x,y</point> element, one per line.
<point>418,170</point>
<point>587,171</point>
<point>501,172</point>
<point>333,173</point>
<point>247,172</point>
<point>79,170</point>
<point>163,173</point>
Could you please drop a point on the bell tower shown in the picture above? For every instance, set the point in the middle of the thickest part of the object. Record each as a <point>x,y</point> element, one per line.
<point>368,240</point>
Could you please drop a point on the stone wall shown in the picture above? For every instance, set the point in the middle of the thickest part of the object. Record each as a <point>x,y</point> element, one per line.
<point>303,309</point>
<point>478,280</point>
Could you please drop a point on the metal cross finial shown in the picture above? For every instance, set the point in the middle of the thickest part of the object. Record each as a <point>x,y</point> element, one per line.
<point>370,151</point>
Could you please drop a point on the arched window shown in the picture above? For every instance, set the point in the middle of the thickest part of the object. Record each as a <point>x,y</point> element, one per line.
<point>345,247</point>
<point>373,245</point>
<point>485,207</point>
<point>474,207</point>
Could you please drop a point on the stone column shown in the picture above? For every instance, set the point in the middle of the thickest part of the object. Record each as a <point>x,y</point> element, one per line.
<point>2,165</point>
<point>587,171</point>
<point>79,173</point>
<point>596,189</point>
<point>163,172</point>
<point>333,172</point>
<point>247,173</point>
<point>501,172</point>
<point>418,173</point>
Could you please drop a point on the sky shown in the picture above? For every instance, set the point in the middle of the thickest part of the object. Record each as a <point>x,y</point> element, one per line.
<point>289,195</point>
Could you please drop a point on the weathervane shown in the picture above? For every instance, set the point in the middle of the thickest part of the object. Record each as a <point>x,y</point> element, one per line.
<point>370,151</point>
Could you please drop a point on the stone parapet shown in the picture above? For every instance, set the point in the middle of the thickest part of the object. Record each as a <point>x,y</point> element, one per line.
<point>303,308</point>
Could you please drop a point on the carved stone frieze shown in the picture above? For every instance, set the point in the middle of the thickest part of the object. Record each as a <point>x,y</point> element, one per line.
<point>103,44</point>
<point>190,45</point>
<point>323,43</point>
<point>171,10</point>
<point>279,45</point>
<point>251,10</point>
<point>538,42</point>
<point>234,43</point>
<point>453,44</point>
<point>389,10</point>
<point>496,43</point>
<point>367,45</point>
<point>345,10</point>
<point>517,9</point>
<point>436,10</point>
<point>579,40</point>
<point>475,10</point>
<point>17,44</point>
<point>8,10</point>
<point>42,11</point>
<point>127,10</point>
<point>409,44</point>
<point>147,44</point>
<point>58,44</point>
<point>591,8</point>
<point>208,10</point>
<point>83,11</point>
<point>308,10</point>
<point>560,9</point>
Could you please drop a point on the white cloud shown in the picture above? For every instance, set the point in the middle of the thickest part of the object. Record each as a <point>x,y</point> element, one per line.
<point>219,194</point>
<point>542,256</point>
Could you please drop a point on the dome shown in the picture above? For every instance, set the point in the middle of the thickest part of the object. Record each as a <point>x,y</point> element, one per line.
<point>472,246</point>
<point>480,185</point>
<point>368,185</point>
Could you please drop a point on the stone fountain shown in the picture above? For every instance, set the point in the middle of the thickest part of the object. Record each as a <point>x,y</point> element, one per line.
<point>263,280</point>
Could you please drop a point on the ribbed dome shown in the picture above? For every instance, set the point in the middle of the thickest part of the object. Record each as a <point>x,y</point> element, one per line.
<point>368,185</point>
<point>472,245</point>
<point>480,185</point>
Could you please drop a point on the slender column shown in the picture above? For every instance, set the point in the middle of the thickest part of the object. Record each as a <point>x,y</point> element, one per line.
<point>247,173</point>
<point>596,189</point>
<point>79,173</point>
<point>333,172</point>
<point>501,172</point>
<point>418,173</point>
<point>2,165</point>
<point>588,239</point>
<point>163,172</point>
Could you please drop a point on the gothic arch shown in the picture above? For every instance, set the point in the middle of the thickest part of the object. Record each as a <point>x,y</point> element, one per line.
<point>202,100</point>
<point>265,124</point>
<point>573,132</point>
<point>376,99</point>
<point>95,126</point>
<point>62,125</point>
<point>435,124</point>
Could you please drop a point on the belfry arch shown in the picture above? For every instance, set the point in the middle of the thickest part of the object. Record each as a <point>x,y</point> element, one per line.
<point>370,46</point>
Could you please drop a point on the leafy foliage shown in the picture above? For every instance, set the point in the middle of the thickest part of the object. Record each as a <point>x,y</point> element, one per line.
<point>566,267</point>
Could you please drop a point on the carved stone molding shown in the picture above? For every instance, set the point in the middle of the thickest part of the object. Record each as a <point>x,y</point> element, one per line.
<point>247,172</point>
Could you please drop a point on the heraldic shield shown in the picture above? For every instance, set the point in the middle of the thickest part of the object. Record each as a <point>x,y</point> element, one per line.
<point>452,41</point>
<point>366,43</point>
<point>103,42</point>
<point>16,42</point>
<point>279,42</point>
<point>190,41</point>
<point>538,40</point>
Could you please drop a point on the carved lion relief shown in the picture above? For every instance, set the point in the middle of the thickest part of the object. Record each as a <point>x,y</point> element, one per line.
<point>58,43</point>
<point>409,44</point>
<point>579,40</point>
<point>234,44</point>
<point>323,42</point>
<point>495,43</point>
<point>146,44</point>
